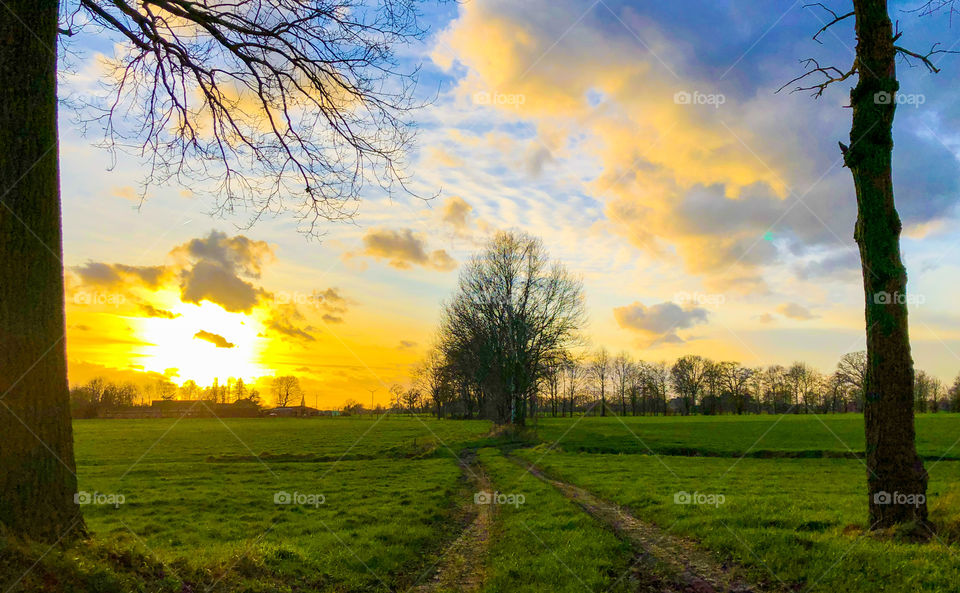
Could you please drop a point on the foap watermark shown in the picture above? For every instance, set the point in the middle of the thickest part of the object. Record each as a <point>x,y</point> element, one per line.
<point>114,299</point>
<point>885,98</point>
<point>899,498</point>
<point>506,99</point>
<point>699,299</point>
<point>698,98</point>
<point>898,298</point>
<point>113,499</point>
<point>299,498</point>
<point>484,497</point>
<point>283,297</point>
<point>698,498</point>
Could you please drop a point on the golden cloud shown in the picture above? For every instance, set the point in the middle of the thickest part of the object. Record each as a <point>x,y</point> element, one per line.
<point>656,141</point>
<point>403,249</point>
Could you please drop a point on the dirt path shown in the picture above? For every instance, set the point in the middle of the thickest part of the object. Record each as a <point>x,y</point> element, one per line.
<point>461,568</point>
<point>664,563</point>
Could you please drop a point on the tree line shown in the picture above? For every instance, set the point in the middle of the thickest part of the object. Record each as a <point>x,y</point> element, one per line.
<point>509,348</point>
<point>602,384</point>
<point>100,395</point>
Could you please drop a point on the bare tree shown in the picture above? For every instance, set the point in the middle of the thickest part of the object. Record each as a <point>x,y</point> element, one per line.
<point>736,379</point>
<point>657,377</point>
<point>892,459</point>
<point>514,312</point>
<point>953,395</point>
<point>622,372</point>
<point>434,377</point>
<point>600,370</point>
<point>286,389</point>
<point>757,385</point>
<point>689,374</point>
<point>852,374</point>
<point>553,375</point>
<point>573,373</point>
<point>251,99</point>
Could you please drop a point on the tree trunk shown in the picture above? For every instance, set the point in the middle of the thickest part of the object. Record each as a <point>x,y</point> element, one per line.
<point>894,469</point>
<point>37,469</point>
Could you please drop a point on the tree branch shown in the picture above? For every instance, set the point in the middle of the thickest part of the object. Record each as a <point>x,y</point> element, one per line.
<point>836,19</point>
<point>831,75</point>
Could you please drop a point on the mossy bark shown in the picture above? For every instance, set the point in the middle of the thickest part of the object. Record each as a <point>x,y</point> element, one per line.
<point>897,481</point>
<point>37,470</point>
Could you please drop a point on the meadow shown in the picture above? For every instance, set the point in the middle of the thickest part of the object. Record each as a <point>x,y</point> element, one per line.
<point>360,504</point>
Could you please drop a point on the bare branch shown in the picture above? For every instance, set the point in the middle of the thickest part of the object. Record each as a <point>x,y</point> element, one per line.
<point>935,6</point>
<point>830,74</point>
<point>924,58</point>
<point>260,100</point>
<point>836,18</point>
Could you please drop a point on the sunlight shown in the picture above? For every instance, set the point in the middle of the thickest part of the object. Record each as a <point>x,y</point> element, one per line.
<point>174,344</point>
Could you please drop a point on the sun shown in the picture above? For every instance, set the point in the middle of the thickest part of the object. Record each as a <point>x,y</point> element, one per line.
<point>173,344</point>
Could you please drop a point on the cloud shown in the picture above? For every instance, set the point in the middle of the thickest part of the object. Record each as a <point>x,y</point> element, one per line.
<point>658,323</point>
<point>112,275</point>
<point>403,249</point>
<point>795,311</point>
<point>215,269</point>
<point>456,212</point>
<point>215,339</point>
<point>332,318</point>
<point>406,345</point>
<point>286,320</point>
<point>685,181</point>
<point>152,311</point>
<point>331,300</point>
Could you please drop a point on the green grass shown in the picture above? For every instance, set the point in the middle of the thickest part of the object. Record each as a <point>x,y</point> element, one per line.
<point>199,506</point>
<point>799,435</point>
<point>199,511</point>
<point>794,523</point>
<point>112,442</point>
<point>379,519</point>
<point>547,543</point>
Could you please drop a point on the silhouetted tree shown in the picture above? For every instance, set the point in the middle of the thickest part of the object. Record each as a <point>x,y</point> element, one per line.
<point>286,390</point>
<point>622,368</point>
<point>600,370</point>
<point>259,99</point>
<point>736,382</point>
<point>689,375</point>
<point>514,312</point>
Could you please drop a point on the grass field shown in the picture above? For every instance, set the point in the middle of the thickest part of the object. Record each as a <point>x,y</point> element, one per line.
<point>354,504</point>
<point>938,435</point>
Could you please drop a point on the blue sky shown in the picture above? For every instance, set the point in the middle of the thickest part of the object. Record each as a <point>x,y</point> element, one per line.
<point>721,226</point>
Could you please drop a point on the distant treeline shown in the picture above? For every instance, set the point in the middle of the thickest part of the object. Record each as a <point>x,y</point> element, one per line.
<point>100,397</point>
<point>506,351</point>
<point>602,384</point>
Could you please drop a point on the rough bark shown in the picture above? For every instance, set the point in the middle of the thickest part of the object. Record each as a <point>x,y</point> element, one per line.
<point>37,470</point>
<point>894,469</point>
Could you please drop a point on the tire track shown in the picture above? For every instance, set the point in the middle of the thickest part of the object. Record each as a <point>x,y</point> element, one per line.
<point>462,567</point>
<point>663,563</point>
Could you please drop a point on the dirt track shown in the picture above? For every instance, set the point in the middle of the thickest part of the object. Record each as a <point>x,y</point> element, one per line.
<point>663,562</point>
<point>461,568</point>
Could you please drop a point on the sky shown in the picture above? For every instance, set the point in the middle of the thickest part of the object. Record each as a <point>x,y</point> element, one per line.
<point>644,142</point>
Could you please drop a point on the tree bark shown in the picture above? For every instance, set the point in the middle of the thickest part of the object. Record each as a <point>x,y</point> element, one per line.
<point>37,469</point>
<point>894,469</point>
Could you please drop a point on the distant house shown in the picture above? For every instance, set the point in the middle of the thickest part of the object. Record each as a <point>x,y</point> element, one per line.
<point>300,411</point>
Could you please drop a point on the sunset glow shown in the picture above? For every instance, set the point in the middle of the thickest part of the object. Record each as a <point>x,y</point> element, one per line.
<point>174,344</point>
